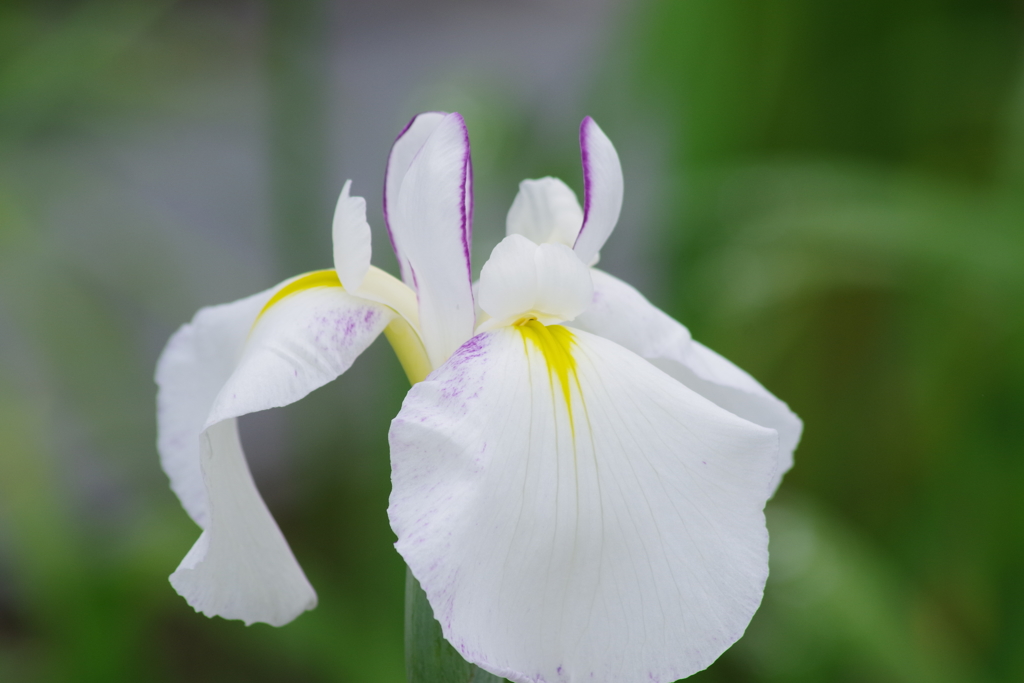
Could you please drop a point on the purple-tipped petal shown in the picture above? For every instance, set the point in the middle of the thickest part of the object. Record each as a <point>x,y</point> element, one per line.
<point>430,216</point>
<point>602,190</point>
<point>407,145</point>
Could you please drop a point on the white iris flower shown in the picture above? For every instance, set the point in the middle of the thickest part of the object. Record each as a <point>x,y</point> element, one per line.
<point>578,485</point>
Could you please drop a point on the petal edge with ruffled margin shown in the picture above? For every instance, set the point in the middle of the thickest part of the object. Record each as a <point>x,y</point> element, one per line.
<point>431,225</point>
<point>602,190</point>
<point>306,333</point>
<point>622,314</point>
<point>573,513</point>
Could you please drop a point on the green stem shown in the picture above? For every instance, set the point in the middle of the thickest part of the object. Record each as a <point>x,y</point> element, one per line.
<point>429,658</point>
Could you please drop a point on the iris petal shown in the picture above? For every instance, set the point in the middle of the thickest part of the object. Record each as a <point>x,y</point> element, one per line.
<point>602,190</point>
<point>622,314</point>
<point>265,351</point>
<point>574,513</point>
<point>545,210</point>
<point>429,208</point>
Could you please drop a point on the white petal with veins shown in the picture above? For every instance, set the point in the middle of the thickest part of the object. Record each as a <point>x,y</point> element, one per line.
<point>622,314</point>
<point>614,537</point>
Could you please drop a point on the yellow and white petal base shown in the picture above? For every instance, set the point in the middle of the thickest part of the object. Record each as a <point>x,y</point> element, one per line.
<point>522,279</point>
<point>620,313</point>
<point>575,514</point>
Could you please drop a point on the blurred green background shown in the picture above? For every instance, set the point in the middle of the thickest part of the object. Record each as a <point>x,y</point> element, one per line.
<point>829,194</point>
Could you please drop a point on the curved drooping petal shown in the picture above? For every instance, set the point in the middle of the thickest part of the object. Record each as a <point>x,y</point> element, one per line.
<point>602,190</point>
<point>545,210</point>
<point>546,281</point>
<point>197,361</point>
<point>352,239</point>
<point>575,514</point>
<point>430,221</point>
<point>277,346</point>
<point>623,315</point>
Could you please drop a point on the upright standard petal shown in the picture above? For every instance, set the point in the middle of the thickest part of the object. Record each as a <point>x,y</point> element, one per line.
<point>405,149</point>
<point>575,514</point>
<point>279,347</point>
<point>623,315</point>
<point>431,226</point>
<point>602,190</point>
<point>351,237</point>
<point>545,210</point>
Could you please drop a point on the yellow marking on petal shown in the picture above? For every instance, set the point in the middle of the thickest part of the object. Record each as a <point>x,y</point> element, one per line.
<point>555,344</point>
<point>318,278</point>
<point>378,287</point>
<point>408,346</point>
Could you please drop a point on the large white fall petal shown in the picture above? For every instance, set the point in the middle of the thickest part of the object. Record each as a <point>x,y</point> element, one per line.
<point>309,333</point>
<point>575,514</point>
<point>620,313</point>
<point>197,361</point>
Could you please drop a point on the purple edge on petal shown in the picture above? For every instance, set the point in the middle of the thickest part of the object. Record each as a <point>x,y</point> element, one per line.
<point>466,188</point>
<point>384,200</point>
<point>587,176</point>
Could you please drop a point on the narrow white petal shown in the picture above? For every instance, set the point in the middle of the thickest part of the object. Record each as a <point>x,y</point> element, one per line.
<point>602,190</point>
<point>351,239</point>
<point>241,567</point>
<point>545,210</point>
<point>197,361</point>
<point>622,314</point>
<point>405,149</point>
<point>432,230</point>
<point>614,536</point>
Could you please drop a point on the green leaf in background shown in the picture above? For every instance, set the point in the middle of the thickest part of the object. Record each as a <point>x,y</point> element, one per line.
<point>429,658</point>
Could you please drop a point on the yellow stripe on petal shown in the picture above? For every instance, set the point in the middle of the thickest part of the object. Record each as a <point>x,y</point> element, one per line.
<point>318,278</point>
<point>378,287</point>
<point>555,344</point>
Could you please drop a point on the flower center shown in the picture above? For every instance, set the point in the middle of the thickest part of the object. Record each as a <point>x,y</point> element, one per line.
<point>524,281</point>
